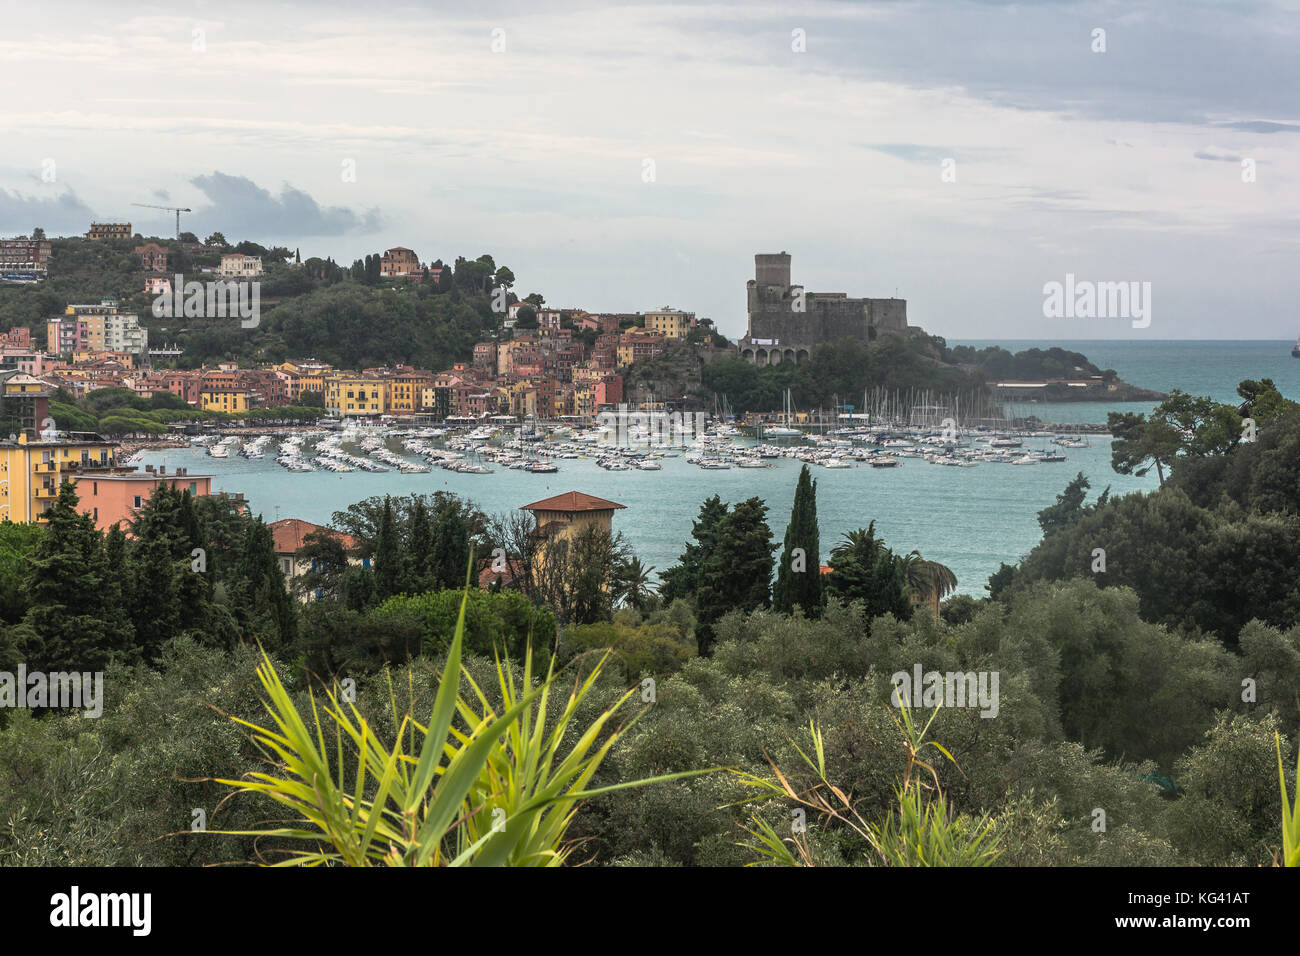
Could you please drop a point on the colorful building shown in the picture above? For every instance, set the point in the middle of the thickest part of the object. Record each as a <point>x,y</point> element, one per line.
<point>32,469</point>
<point>238,266</point>
<point>566,516</point>
<point>289,535</point>
<point>399,261</point>
<point>153,257</point>
<point>354,396</point>
<point>115,495</point>
<point>670,323</point>
<point>225,400</point>
<point>96,328</point>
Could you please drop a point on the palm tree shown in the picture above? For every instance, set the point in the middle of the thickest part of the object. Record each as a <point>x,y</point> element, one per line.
<point>632,583</point>
<point>928,582</point>
<point>861,543</point>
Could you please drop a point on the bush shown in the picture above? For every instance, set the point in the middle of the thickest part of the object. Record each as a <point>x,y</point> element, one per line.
<point>495,622</point>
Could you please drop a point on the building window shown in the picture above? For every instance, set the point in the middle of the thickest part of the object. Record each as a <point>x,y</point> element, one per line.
<point>194,487</point>
<point>94,488</point>
<point>96,515</point>
<point>286,565</point>
<point>138,501</point>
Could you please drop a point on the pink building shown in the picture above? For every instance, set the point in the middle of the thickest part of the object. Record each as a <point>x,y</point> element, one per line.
<point>115,496</point>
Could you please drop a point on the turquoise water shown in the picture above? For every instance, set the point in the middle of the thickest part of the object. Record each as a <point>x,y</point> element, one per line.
<point>1205,367</point>
<point>971,519</point>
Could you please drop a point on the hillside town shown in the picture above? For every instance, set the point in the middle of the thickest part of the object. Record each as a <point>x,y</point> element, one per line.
<point>540,363</point>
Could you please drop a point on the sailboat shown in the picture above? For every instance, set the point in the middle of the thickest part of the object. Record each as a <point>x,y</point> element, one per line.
<point>784,431</point>
<point>1295,349</point>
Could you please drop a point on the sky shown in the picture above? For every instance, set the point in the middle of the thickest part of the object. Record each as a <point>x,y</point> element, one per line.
<point>629,156</point>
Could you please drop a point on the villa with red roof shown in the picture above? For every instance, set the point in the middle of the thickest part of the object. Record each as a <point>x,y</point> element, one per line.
<point>571,512</point>
<point>289,534</point>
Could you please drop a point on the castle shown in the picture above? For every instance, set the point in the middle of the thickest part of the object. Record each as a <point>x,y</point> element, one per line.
<point>785,323</point>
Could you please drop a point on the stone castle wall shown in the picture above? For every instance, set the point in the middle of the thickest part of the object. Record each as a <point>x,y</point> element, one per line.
<point>778,332</point>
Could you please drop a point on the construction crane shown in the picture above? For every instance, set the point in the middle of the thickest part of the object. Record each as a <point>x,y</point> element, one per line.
<point>176,209</point>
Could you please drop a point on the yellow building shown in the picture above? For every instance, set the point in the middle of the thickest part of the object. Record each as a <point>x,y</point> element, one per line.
<point>584,398</point>
<point>564,517</point>
<point>311,375</point>
<point>670,323</point>
<point>224,400</point>
<point>354,395</point>
<point>405,393</point>
<point>32,469</point>
<point>568,514</point>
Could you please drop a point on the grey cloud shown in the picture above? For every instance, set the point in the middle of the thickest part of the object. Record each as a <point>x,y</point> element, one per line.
<point>64,214</point>
<point>240,207</point>
<point>1261,126</point>
<point>1039,57</point>
<point>1217,155</point>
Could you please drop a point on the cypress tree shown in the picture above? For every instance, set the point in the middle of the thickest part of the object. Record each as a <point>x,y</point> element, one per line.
<point>155,606</point>
<point>261,602</point>
<point>450,561</point>
<point>798,576</point>
<point>70,615</point>
<point>388,555</point>
<point>419,550</point>
<point>682,580</point>
<point>737,574</point>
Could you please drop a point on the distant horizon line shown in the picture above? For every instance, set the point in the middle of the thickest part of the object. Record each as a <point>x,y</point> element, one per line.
<point>1126,341</point>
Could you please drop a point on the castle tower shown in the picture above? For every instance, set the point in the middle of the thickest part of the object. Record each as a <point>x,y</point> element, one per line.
<point>772,269</point>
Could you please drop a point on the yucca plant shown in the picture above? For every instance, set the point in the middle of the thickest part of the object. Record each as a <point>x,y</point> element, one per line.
<point>498,792</point>
<point>527,784</point>
<point>923,832</point>
<point>1290,813</point>
<point>919,832</point>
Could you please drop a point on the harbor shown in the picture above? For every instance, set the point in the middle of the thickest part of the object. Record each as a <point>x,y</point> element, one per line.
<point>972,515</point>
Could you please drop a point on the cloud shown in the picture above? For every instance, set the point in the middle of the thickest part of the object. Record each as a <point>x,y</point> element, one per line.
<point>247,210</point>
<point>1217,156</point>
<point>911,152</point>
<point>64,214</point>
<point>1261,126</point>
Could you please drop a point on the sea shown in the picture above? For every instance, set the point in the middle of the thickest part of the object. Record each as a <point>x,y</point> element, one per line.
<point>970,519</point>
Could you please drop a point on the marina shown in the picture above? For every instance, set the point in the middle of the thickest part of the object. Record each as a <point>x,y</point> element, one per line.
<point>952,496</point>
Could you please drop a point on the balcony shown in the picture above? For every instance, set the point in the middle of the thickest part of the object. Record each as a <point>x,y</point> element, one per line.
<point>45,492</point>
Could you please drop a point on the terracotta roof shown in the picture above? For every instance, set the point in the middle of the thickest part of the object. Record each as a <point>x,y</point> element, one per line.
<point>290,532</point>
<point>487,576</point>
<point>572,501</point>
